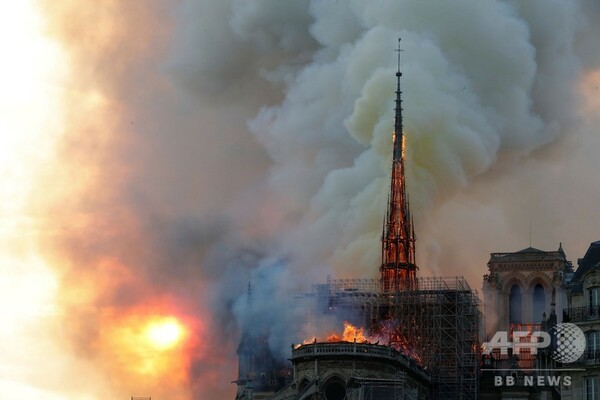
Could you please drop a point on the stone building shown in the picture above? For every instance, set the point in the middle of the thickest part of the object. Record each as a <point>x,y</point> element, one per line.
<point>584,311</point>
<point>260,374</point>
<point>354,371</point>
<point>519,287</point>
<point>522,292</point>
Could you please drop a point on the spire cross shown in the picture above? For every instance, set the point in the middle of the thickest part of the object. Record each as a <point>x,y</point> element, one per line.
<point>399,50</point>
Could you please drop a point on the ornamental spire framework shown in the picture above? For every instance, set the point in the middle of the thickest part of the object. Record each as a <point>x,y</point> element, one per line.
<point>398,268</point>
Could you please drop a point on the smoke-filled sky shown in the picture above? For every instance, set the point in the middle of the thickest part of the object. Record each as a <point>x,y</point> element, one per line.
<point>157,155</point>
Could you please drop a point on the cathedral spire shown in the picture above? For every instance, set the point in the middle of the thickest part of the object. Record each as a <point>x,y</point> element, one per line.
<point>398,269</point>
<point>398,128</point>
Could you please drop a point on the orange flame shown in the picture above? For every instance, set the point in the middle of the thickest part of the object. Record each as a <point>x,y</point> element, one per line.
<point>148,345</point>
<point>150,342</point>
<point>165,333</point>
<point>351,334</point>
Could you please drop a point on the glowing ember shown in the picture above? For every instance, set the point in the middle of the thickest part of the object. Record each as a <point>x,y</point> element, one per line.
<point>164,334</point>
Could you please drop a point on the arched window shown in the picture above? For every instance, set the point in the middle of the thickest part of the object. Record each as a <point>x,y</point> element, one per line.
<point>335,390</point>
<point>303,385</point>
<point>539,303</point>
<point>515,305</point>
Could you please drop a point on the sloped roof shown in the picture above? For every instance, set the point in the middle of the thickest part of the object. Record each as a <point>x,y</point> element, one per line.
<point>531,250</point>
<point>590,259</point>
<point>530,254</point>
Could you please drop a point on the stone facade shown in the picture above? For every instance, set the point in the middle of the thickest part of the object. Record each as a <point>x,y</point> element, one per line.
<point>519,287</point>
<point>584,311</point>
<point>354,371</point>
<point>522,292</point>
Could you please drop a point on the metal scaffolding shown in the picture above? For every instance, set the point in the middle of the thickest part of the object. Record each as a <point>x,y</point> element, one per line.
<point>438,325</point>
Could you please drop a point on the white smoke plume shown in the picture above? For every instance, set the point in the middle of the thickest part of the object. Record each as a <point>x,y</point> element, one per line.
<point>487,87</point>
<point>485,83</point>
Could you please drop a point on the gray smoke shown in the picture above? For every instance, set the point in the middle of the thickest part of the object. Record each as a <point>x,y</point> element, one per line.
<point>259,150</point>
<point>488,86</point>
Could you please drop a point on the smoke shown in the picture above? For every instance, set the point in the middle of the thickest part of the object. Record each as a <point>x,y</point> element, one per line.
<point>142,187</point>
<point>476,88</point>
<point>208,144</point>
<point>489,89</point>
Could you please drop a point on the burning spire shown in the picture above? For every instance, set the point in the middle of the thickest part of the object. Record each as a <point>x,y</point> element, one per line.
<point>398,269</point>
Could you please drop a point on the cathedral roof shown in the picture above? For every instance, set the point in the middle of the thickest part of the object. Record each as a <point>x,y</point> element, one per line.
<point>529,254</point>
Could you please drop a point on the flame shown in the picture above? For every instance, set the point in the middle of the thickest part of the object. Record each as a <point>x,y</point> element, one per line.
<point>146,343</point>
<point>165,333</point>
<point>387,335</point>
<point>351,333</point>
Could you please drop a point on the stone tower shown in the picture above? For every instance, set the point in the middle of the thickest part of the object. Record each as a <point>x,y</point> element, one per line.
<point>524,287</point>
